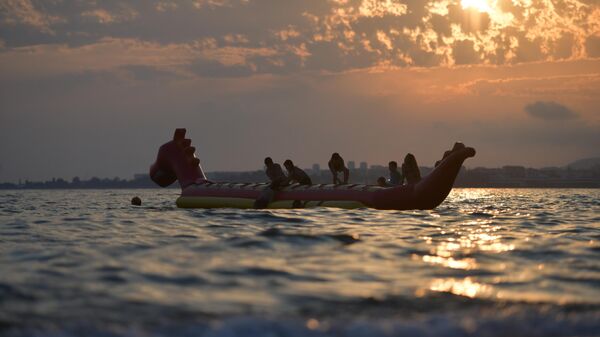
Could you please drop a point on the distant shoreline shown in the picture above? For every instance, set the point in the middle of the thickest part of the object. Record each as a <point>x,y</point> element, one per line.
<point>504,177</point>
<point>580,174</point>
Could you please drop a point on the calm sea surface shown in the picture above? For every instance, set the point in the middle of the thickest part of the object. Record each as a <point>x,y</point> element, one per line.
<point>487,262</point>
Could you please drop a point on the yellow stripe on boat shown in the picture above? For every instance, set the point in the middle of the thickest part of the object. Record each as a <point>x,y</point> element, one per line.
<point>219,202</point>
<point>214,202</point>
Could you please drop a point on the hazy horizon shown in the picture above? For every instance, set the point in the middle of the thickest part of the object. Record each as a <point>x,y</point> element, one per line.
<point>307,167</point>
<point>94,88</point>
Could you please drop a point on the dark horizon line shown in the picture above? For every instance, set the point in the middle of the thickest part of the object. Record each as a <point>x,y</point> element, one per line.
<point>506,176</point>
<point>370,167</point>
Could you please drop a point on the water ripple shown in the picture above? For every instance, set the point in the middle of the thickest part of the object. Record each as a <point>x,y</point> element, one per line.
<point>89,256</point>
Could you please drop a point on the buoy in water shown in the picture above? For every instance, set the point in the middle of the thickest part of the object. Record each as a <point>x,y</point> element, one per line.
<point>136,201</point>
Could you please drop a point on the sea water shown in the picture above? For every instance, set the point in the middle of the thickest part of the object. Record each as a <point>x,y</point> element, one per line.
<point>487,262</point>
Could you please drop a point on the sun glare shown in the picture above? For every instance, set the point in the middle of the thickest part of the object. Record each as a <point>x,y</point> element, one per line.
<point>480,5</point>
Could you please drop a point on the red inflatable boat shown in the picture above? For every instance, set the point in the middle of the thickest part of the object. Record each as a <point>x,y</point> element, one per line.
<point>176,161</point>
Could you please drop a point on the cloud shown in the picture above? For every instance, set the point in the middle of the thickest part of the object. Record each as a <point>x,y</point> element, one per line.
<point>357,33</point>
<point>464,53</point>
<point>592,45</point>
<point>213,68</point>
<point>148,73</point>
<point>378,8</point>
<point>471,21</point>
<point>13,12</point>
<point>113,54</point>
<point>106,17</point>
<point>213,3</point>
<point>542,81</point>
<point>106,54</point>
<point>550,111</point>
<point>164,6</point>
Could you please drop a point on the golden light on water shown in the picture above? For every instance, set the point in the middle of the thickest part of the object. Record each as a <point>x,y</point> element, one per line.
<point>453,250</point>
<point>450,262</point>
<point>465,287</point>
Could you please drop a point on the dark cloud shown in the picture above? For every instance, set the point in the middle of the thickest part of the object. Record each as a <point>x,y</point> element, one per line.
<point>148,73</point>
<point>336,35</point>
<point>464,53</point>
<point>212,68</point>
<point>550,111</point>
<point>326,56</point>
<point>528,50</point>
<point>563,47</point>
<point>592,46</point>
<point>441,25</point>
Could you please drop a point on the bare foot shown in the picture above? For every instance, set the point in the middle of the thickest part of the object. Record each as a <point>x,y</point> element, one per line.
<point>458,146</point>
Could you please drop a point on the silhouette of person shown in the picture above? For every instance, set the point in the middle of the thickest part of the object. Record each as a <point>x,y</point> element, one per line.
<point>275,174</point>
<point>336,164</point>
<point>410,169</point>
<point>396,178</point>
<point>382,182</point>
<point>278,180</point>
<point>296,174</point>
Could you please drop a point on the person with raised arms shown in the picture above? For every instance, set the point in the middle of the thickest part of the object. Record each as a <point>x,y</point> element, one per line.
<point>336,165</point>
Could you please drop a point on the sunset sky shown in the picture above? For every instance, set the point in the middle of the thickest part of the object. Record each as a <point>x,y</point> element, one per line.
<point>92,88</point>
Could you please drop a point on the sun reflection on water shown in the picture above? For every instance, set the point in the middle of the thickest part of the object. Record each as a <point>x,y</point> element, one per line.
<point>472,235</point>
<point>465,287</point>
<point>465,264</point>
<point>454,245</point>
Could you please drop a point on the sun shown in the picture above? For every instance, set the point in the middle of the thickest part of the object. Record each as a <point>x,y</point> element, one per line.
<point>480,5</point>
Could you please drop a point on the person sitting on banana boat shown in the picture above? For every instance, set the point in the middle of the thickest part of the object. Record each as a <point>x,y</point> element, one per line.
<point>410,169</point>
<point>396,178</point>
<point>275,174</point>
<point>381,182</point>
<point>296,174</point>
<point>278,180</point>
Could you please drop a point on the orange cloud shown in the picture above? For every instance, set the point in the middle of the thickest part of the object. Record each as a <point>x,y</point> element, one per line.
<point>106,17</point>
<point>24,12</point>
<point>112,53</point>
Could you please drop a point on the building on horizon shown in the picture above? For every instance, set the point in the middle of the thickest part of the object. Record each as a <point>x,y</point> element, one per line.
<point>506,176</point>
<point>363,173</point>
<point>351,165</point>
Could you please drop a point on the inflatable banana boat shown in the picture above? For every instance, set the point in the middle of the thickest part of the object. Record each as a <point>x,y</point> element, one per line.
<point>176,161</point>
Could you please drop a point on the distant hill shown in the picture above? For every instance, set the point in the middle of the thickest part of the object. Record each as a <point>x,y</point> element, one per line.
<point>585,164</point>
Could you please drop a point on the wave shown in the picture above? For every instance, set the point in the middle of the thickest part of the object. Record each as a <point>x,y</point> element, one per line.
<point>507,322</point>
